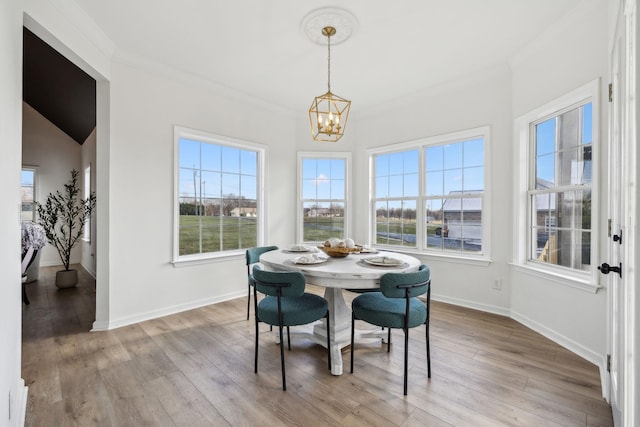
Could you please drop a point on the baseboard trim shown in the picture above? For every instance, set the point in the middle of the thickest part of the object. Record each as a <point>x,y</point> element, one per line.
<point>154,314</point>
<point>472,304</point>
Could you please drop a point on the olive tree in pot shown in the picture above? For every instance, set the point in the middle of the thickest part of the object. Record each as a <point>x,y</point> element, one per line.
<point>63,216</point>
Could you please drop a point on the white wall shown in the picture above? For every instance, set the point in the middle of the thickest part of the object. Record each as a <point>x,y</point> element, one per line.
<point>12,389</point>
<point>146,104</point>
<point>574,52</point>
<point>55,154</point>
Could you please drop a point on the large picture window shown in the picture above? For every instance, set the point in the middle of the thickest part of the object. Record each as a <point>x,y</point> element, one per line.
<point>429,195</point>
<point>555,218</point>
<point>323,210</point>
<point>218,203</point>
<point>559,193</point>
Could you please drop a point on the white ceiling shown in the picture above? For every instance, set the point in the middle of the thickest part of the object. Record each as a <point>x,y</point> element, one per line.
<point>257,47</point>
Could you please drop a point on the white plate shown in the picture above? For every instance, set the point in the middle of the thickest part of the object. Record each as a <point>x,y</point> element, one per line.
<point>384,261</point>
<point>309,260</point>
<point>300,248</point>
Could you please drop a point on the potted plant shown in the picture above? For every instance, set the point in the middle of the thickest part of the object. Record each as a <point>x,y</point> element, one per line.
<point>63,216</point>
<point>33,236</point>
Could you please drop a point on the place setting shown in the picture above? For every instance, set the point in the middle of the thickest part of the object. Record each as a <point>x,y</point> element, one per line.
<point>383,261</point>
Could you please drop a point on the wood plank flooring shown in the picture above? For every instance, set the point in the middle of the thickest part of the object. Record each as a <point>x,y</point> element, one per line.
<point>196,369</point>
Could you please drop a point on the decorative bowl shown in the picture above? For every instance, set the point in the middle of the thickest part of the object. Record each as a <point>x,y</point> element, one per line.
<point>338,252</point>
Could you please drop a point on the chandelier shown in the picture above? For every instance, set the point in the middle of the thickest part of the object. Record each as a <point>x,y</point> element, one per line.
<point>328,113</point>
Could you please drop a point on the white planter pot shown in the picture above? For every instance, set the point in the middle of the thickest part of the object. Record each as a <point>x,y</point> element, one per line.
<point>66,278</point>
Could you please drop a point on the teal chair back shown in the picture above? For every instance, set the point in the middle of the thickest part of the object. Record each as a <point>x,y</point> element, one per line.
<point>252,256</point>
<point>402,285</point>
<point>282,283</point>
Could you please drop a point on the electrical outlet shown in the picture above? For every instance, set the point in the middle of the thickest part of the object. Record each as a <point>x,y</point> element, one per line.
<point>497,284</point>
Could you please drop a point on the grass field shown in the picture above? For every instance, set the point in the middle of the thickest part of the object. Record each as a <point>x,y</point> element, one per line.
<point>218,233</point>
<point>228,233</point>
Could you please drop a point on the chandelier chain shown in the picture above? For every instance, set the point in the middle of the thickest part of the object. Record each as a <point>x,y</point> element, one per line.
<point>329,63</point>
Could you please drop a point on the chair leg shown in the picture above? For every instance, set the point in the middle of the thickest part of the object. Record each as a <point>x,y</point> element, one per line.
<point>406,358</point>
<point>256,352</point>
<point>248,300</point>
<point>353,320</point>
<point>289,338</point>
<point>25,298</point>
<point>284,381</point>
<point>388,340</point>
<point>428,352</point>
<point>328,340</point>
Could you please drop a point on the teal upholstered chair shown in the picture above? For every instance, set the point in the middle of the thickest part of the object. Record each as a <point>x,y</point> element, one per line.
<point>286,304</point>
<point>396,307</point>
<point>252,256</point>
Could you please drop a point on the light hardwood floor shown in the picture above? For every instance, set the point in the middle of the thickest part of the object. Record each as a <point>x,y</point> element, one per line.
<point>196,369</point>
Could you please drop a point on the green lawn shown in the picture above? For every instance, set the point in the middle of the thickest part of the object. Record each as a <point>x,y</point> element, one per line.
<point>237,233</point>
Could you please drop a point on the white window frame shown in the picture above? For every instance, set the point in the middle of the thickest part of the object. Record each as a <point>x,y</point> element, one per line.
<point>34,216</point>
<point>525,162</point>
<point>484,256</point>
<point>86,193</point>
<point>184,132</point>
<point>346,156</point>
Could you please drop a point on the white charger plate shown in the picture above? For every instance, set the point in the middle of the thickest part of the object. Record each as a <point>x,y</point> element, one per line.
<point>384,261</point>
<point>307,260</point>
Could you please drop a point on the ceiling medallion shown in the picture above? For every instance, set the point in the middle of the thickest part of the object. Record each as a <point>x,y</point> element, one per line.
<point>342,20</point>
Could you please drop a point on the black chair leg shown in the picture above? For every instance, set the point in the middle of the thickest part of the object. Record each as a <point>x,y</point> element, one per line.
<point>25,298</point>
<point>256,352</point>
<point>248,300</point>
<point>428,352</point>
<point>284,381</point>
<point>406,358</point>
<point>289,338</point>
<point>353,321</point>
<point>388,340</point>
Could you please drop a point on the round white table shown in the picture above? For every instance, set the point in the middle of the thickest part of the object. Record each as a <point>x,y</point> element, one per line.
<point>335,274</point>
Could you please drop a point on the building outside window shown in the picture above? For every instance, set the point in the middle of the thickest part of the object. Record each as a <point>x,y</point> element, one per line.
<point>322,200</point>
<point>429,195</point>
<point>218,204</point>
<point>559,193</point>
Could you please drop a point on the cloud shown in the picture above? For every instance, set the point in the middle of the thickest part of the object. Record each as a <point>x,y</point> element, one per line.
<point>321,179</point>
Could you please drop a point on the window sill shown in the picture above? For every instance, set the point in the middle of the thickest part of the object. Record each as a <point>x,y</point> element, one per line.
<point>191,260</point>
<point>581,282</point>
<point>444,257</point>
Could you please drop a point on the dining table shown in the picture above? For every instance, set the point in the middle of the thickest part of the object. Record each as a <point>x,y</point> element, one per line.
<point>359,271</point>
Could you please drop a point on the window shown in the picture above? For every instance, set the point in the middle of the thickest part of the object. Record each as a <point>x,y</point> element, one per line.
<point>28,194</point>
<point>323,197</point>
<point>556,217</point>
<point>85,195</point>
<point>219,202</point>
<point>429,195</point>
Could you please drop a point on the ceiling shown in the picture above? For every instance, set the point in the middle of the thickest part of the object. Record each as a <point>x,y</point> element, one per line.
<point>258,48</point>
<point>57,89</point>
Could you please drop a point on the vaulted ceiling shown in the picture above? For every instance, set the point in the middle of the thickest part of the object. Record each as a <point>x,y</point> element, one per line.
<point>58,89</point>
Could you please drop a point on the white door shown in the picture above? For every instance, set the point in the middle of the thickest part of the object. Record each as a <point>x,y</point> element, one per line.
<point>622,237</point>
<point>615,229</point>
